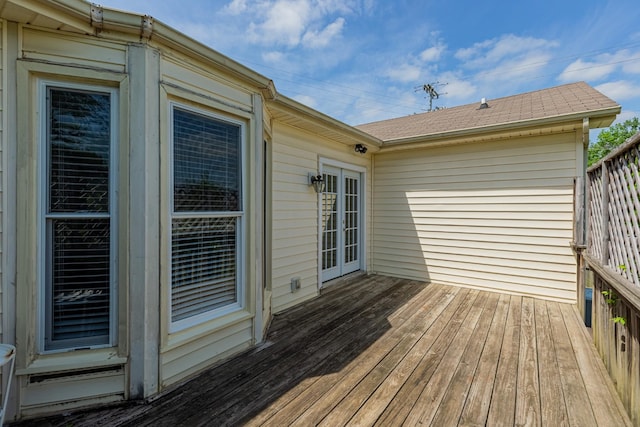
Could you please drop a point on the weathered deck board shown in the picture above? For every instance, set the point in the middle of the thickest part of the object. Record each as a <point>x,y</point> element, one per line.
<point>503,401</point>
<point>476,409</point>
<point>552,399</point>
<point>386,351</point>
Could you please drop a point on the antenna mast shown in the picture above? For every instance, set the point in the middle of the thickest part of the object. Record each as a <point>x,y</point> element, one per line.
<point>430,89</point>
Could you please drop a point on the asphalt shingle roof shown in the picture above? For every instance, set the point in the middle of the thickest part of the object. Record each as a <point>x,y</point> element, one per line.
<point>573,98</point>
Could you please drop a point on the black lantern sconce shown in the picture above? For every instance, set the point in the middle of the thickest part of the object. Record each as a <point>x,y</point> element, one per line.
<point>360,148</point>
<point>317,181</point>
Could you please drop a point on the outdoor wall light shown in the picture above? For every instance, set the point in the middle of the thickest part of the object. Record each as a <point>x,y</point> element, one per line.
<point>317,181</point>
<point>360,149</point>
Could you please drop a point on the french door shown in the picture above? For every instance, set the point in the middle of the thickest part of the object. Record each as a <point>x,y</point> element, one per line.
<point>341,223</point>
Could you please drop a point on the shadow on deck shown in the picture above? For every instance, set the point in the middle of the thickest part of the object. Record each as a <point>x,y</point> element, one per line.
<point>384,351</point>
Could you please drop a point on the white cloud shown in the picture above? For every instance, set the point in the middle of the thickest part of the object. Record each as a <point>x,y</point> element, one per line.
<point>602,66</point>
<point>632,67</point>
<point>460,89</point>
<point>316,39</point>
<point>291,23</point>
<point>285,22</point>
<point>489,53</point>
<point>620,90</point>
<point>581,70</point>
<point>518,68</point>
<point>626,115</point>
<point>273,57</point>
<point>433,53</point>
<point>404,73</point>
<point>236,7</point>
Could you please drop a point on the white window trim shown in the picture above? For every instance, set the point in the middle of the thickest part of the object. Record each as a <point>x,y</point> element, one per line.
<point>42,193</point>
<point>241,290</point>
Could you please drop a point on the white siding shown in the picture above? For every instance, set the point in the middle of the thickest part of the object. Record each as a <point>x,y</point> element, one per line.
<point>70,49</point>
<point>294,245</point>
<point>495,216</point>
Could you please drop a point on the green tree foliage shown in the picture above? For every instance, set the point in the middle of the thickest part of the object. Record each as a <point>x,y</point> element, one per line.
<point>612,137</point>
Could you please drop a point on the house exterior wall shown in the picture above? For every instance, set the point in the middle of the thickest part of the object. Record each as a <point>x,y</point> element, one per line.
<point>295,232</point>
<point>496,216</point>
<point>148,354</point>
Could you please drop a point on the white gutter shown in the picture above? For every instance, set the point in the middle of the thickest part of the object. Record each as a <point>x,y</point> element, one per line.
<point>478,132</point>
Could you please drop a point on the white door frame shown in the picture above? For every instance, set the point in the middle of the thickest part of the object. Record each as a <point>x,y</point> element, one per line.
<point>362,171</point>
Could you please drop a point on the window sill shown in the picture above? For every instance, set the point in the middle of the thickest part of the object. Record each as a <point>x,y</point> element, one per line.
<point>72,361</point>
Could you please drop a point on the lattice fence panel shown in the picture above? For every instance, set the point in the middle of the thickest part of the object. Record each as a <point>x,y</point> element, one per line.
<point>595,214</point>
<point>624,207</point>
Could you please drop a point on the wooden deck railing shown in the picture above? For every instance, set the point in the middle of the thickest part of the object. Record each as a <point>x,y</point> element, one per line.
<point>612,256</point>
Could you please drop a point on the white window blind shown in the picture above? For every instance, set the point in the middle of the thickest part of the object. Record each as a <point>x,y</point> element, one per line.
<point>207,214</point>
<point>78,276</point>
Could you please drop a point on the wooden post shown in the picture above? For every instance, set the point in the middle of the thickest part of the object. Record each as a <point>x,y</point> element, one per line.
<point>605,213</point>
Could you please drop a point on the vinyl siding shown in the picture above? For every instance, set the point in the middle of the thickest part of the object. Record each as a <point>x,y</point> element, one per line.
<point>496,216</point>
<point>195,355</point>
<point>71,49</point>
<point>294,244</point>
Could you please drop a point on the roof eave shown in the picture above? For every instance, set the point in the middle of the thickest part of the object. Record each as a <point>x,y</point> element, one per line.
<point>597,119</point>
<point>282,107</point>
<point>76,15</point>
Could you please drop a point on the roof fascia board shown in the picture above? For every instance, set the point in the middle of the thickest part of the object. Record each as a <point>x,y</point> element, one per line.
<point>515,127</point>
<point>68,12</point>
<point>295,109</point>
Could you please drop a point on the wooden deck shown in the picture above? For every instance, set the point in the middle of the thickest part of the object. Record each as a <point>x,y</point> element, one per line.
<point>383,351</point>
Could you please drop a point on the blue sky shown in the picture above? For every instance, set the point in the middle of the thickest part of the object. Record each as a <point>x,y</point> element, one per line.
<point>366,60</point>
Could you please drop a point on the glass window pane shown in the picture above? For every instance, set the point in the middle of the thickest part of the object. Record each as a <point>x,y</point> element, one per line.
<point>80,281</point>
<point>203,265</point>
<point>206,163</point>
<point>79,134</point>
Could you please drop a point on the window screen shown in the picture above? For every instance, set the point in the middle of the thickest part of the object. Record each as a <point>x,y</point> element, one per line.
<point>206,219</point>
<point>78,218</point>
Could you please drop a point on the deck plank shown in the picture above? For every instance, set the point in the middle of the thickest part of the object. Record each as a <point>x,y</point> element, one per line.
<point>552,400</point>
<point>358,330</point>
<point>385,351</point>
<point>361,392</point>
<point>570,377</point>
<point>602,395</point>
<point>450,410</point>
<point>398,410</point>
<point>476,409</point>
<point>503,400</point>
<point>322,407</point>
<point>293,403</point>
<point>528,399</point>
<point>371,410</point>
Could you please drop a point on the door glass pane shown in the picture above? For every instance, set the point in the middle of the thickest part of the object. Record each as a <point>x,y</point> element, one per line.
<point>351,220</point>
<point>330,222</point>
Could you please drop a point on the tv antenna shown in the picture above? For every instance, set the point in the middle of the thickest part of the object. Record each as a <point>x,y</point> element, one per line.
<point>430,89</point>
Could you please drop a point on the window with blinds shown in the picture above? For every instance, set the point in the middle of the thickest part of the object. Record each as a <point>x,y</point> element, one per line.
<point>78,218</point>
<point>207,215</point>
